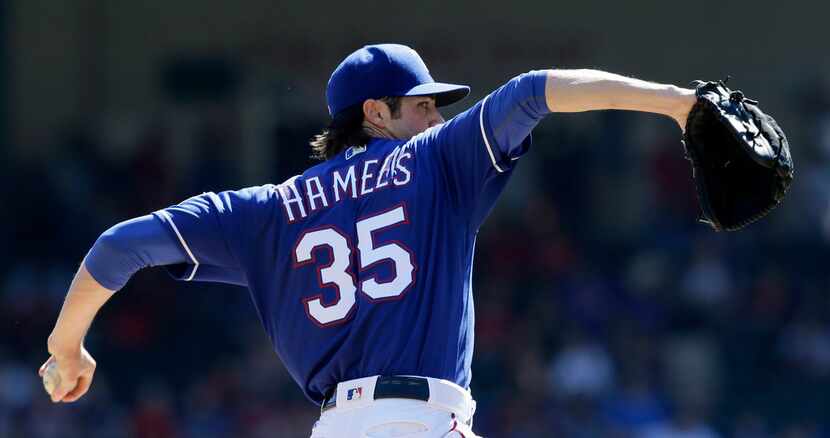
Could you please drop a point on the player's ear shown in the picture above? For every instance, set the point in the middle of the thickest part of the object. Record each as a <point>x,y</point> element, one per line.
<point>376,112</point>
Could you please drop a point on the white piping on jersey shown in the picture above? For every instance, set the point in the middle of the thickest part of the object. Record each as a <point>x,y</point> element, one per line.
<point>184,244</point>
<point>483,135</point>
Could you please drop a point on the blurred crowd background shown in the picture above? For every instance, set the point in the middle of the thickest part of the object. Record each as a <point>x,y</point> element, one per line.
<point>603,308</point>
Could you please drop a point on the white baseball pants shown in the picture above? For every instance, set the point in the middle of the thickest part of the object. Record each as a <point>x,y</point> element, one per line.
<point>448,413</point>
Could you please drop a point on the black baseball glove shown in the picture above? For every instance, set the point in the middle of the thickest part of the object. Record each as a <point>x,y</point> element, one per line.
<point>741,159</point>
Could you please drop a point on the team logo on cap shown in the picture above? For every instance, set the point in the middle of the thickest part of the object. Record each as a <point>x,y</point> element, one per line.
<point>354,393</point>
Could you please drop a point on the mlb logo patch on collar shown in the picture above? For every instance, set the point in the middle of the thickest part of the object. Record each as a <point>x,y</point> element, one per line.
<point>354,150</point>
<point>354,393</point>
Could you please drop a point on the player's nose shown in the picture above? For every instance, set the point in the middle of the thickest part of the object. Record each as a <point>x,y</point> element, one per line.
<point>436,119</point>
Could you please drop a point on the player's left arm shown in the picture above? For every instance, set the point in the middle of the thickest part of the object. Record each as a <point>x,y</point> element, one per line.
<point>587,90</point>
<point>66,343</point>
<point>191,239</point>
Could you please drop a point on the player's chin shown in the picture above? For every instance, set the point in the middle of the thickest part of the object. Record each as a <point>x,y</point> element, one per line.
<point>420,131</point>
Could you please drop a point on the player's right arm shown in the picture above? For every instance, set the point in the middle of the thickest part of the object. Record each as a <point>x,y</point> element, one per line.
<point>477,150</point>
<point>588,90</point>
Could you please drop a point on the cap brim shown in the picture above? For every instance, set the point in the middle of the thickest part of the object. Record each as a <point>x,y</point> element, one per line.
<point>445,94</point>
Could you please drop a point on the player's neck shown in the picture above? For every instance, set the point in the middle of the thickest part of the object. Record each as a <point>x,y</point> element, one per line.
<point>376,131</point>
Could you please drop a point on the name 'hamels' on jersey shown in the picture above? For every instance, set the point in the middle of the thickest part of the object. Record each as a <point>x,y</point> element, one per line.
<point>356,180</point>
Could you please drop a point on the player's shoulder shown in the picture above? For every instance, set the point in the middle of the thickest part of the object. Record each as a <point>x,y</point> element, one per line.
<point>465,124</point>
<point>260,194</point>
<point>431,138</point>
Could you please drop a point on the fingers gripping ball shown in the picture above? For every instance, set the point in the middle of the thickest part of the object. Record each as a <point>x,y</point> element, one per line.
<point>51,378</point>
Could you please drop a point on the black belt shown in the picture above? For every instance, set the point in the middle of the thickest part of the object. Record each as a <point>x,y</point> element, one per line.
<point>413,388</point>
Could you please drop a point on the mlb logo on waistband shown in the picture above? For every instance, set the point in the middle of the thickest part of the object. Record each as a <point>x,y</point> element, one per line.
<point>354,393</point>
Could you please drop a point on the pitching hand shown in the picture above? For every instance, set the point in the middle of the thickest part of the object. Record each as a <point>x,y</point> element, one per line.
<point>75,373</point>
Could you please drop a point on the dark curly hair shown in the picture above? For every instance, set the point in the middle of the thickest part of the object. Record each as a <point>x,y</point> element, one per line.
<point>346,129</point>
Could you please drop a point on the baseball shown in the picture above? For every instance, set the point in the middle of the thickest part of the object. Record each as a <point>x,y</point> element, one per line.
<point>51,378</point>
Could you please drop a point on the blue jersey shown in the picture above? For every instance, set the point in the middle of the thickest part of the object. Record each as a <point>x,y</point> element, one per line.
<point>362,265</point>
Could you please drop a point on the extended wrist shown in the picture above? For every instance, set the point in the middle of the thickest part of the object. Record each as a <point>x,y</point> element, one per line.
<point>684,101</point>
<point>59,347</point>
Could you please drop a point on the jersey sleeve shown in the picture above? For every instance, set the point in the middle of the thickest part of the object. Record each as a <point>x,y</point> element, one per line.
<point>476,150</point>
<point>129,246</point>
<point>216,231</point>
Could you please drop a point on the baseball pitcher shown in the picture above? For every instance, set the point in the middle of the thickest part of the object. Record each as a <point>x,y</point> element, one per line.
<point>360,268</point>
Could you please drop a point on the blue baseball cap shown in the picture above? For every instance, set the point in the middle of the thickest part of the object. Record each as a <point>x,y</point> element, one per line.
<point>383,70</point>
